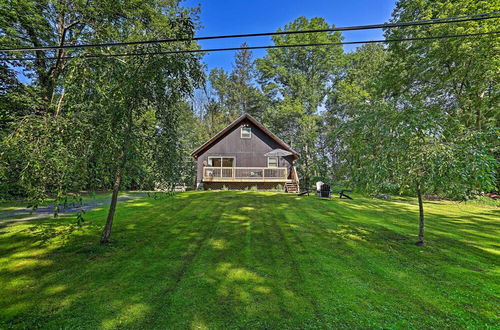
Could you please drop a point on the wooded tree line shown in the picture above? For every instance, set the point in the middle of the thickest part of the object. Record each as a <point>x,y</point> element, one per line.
<point>417,117</point>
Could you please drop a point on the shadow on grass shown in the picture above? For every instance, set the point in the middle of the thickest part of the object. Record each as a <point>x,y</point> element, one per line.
<point>244,259</point>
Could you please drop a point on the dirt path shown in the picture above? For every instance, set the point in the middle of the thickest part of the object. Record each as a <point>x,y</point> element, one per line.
<point>27,214</point>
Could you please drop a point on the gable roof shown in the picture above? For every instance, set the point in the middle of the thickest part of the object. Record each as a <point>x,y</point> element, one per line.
<point>219,135</point>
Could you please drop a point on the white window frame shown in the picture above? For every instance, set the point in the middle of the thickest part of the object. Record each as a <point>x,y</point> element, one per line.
<point>277,161</point>
<point>210,163</point>
<point>244,135</point>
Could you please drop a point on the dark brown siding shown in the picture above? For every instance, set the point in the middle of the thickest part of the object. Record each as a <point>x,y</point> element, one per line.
<point>248,152</point>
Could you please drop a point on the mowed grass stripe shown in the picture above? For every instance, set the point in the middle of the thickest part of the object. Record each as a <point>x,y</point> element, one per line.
<point>195,240</point>
<point>174,250</point>
<point>221,287</point>
<point>330,247</point>
<point>372,255</point>
<point>271,260</point>
<point>193,288</point>
<point>383,264</point>
<point>150,258</point>
<point>255,260</point>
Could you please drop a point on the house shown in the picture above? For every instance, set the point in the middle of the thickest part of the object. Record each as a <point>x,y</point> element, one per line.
<point>243,155</point>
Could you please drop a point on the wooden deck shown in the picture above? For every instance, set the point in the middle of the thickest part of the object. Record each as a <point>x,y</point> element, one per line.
<point>245,174</point>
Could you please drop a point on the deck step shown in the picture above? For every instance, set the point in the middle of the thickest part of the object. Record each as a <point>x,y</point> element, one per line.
<point>292,187</point>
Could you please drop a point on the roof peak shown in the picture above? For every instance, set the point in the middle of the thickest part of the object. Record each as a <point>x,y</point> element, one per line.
<point>234,123</point>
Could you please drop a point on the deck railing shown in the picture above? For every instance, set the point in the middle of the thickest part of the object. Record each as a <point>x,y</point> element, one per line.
<point>245,173</point>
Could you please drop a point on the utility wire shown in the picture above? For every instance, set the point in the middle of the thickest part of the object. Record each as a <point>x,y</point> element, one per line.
<point>253,47</point>
<point>456,19</point>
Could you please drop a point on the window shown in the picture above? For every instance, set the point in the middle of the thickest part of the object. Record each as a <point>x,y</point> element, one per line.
<point>272,161</point>
<point>227,162</point>
<point>246,133</point>
<point>212,161</point>
<point>221,161</point>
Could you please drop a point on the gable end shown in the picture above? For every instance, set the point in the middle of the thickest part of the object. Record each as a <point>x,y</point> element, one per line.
<point>220,135</point>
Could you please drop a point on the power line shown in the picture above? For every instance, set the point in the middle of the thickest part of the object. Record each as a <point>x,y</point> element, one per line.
<point>91,56</point>
<point>456,19</point>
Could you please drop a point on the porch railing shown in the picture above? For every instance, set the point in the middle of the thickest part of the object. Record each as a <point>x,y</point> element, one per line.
<point>245,173</point>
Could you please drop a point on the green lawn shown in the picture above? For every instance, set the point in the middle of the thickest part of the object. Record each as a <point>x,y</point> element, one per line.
<point>258,260</point>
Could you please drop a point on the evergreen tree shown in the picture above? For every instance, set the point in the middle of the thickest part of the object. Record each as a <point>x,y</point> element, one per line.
<point>246,97</point>
<point>297,80</point>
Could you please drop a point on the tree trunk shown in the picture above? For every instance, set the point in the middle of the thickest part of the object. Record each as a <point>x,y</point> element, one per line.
<point>478,118</point>
<point>478,111</point>
<point>420,241</point>
<point>306,167</point>
<point>122,159</point>
<point>106,232</point>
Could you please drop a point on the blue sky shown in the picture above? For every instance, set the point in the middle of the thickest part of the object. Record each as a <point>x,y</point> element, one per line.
<point>238,16</point>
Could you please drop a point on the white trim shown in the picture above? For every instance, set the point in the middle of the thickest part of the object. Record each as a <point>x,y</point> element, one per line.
<point>249,135</point>
<point>277,161</point>
<point>245,174</point>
